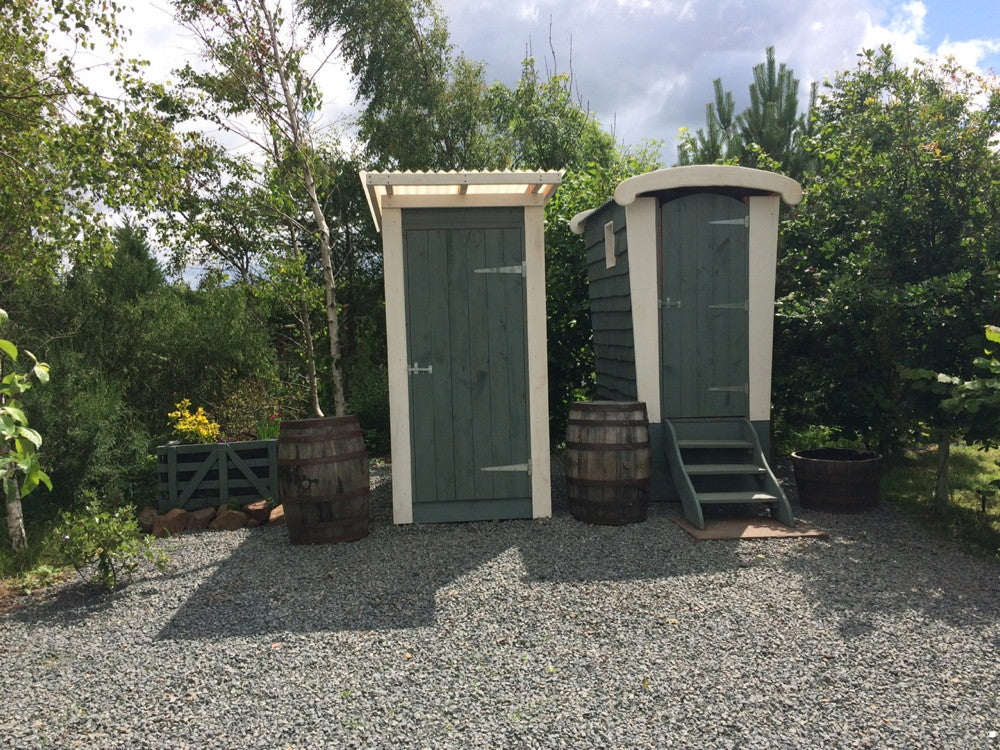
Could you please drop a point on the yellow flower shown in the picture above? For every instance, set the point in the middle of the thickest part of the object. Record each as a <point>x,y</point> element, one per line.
<point>196,427</point>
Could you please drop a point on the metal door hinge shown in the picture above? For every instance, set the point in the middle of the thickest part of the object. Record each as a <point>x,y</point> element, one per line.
<point>521,269</point>
<point>525,467</point>
<point>416,368</point>
<point>745,388</point>
<point>745,221</point>
<point>744,306</point>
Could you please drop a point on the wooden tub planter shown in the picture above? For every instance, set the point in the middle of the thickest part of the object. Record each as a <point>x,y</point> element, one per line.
<point>213,474</point>
<point>838,480</point>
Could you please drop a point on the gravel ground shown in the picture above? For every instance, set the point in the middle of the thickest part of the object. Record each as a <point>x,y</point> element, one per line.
<point>520,634</point>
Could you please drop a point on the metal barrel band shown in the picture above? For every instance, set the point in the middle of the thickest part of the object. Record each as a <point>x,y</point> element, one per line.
<point>610,447</point>
<point>321,459</point>
<point>635,482</point>
<point>311,437</point>
<point>607,422</point>
<point>316,499</point>
<point>610,406</point>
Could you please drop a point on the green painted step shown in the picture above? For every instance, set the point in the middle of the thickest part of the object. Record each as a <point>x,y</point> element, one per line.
<point>735,498</point>
<point>738,469</point>
<point>714,444</point>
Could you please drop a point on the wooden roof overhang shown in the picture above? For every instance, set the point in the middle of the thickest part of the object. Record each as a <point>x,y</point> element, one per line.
<point>456,189</point>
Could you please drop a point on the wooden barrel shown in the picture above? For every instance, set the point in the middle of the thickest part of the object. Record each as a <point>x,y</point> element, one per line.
<point>323,480</point>
<point>838,480</point>
<point>608,462</point>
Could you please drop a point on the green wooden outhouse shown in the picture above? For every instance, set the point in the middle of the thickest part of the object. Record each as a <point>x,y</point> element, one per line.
<point>464,263</point>
<point>681,271</point>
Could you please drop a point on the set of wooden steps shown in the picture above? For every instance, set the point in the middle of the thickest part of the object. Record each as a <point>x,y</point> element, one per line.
<point>720,462</point>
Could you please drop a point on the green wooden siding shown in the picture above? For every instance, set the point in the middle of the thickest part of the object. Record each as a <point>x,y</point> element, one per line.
<point>704,319</point>
<point>611,308</point>
<point>471,411</point>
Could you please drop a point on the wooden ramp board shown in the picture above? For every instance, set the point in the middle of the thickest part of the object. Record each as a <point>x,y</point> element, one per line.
<point>748,528</point>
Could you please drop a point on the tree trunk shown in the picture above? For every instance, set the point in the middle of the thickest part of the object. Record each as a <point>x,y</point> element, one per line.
<point>298,139</point>
<point>310,360</point>
<point>15,518</point>
<point>306,326</point>
<point>942,490</point>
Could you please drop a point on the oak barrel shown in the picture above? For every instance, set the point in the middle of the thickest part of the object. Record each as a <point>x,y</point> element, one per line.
<point>838,480</point>
<point>323,479</point>
<point>608,463</point>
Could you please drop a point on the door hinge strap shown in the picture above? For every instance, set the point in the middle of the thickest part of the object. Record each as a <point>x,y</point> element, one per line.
<point>745,221</point>
<point>745,388</point>
<point>521,269</point>
<point>526,467</point>
<point>744,306</point>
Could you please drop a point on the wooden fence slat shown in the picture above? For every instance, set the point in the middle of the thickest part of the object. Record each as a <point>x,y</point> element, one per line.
<point>211,460</point>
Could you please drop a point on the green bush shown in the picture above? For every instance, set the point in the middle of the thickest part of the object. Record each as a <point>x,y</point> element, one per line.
<point>94,441</point>
<point>368,399</point>
<point>109,537</point>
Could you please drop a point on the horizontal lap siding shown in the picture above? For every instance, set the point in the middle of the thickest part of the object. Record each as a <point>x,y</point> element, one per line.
<point>610,308</point>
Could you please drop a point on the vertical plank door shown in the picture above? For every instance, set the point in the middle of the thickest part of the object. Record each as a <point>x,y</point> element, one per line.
<point>704,307</point>
<point>467,356</point>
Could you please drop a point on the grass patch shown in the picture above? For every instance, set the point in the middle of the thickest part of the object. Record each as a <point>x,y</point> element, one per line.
<point>909,485</point>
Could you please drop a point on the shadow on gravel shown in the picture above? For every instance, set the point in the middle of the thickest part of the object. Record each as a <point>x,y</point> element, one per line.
<point>391,579</point>
<point>878,564</point>
<point>873,565</point>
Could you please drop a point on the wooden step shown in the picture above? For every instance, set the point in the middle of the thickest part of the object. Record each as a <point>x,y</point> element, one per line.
<point>734,498</point>
<point>729,469</point>
<point>722,444</point>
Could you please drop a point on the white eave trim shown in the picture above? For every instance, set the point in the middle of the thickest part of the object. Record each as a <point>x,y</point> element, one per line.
<point>576,224</point>
<point>438,189</point>
<point>708,175</point>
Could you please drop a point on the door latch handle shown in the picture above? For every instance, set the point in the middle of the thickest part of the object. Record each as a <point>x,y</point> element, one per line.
<point>415,368</point>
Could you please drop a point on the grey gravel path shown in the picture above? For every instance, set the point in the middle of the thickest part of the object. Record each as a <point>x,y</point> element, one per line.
<point>520,634</point>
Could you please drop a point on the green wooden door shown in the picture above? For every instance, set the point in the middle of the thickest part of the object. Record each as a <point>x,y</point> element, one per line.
<point>467,356</point>
<point>704,307</point>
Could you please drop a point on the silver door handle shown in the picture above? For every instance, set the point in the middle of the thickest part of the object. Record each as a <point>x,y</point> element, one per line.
<point>416,368</point>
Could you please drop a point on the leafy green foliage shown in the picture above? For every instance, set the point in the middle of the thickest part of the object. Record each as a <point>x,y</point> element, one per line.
<point>892,259</point>
<point>71,155</point>
<point>20,468</point>
<point>109,539</point>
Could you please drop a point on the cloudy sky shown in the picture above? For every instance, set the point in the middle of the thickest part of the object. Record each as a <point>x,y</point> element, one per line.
<point>645,67</point>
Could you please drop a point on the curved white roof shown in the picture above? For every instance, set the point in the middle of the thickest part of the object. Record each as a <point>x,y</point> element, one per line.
<point>708,175</point>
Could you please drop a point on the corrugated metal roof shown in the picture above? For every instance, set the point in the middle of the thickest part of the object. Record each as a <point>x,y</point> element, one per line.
<point>379,186</point>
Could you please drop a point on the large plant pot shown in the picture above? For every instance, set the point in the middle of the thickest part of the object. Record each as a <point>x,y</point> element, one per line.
<point>323,480</point>
<point>838,480</point>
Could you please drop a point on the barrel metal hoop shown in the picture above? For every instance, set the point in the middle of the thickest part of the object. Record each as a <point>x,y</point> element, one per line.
<point>610,406</point>
<point>314,437</point>
<point>321,459</point>
<point>638,482</point>
<point>610,447</point>
<point>313,499</point>
<point>607,422</point>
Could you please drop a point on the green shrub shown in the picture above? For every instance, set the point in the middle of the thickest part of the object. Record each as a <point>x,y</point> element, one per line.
<point>368,399</point>
<point>94,440</point>
<point>109,537</point>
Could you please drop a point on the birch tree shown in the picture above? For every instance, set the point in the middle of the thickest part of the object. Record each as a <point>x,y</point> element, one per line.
<point>256,87</point>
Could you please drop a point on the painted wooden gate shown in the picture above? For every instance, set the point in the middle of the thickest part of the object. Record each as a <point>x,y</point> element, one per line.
<point>704,307</point>
<point>467,363</point>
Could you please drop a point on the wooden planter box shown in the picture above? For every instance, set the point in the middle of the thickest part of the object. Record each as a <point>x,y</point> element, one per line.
<point>201,476</point>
